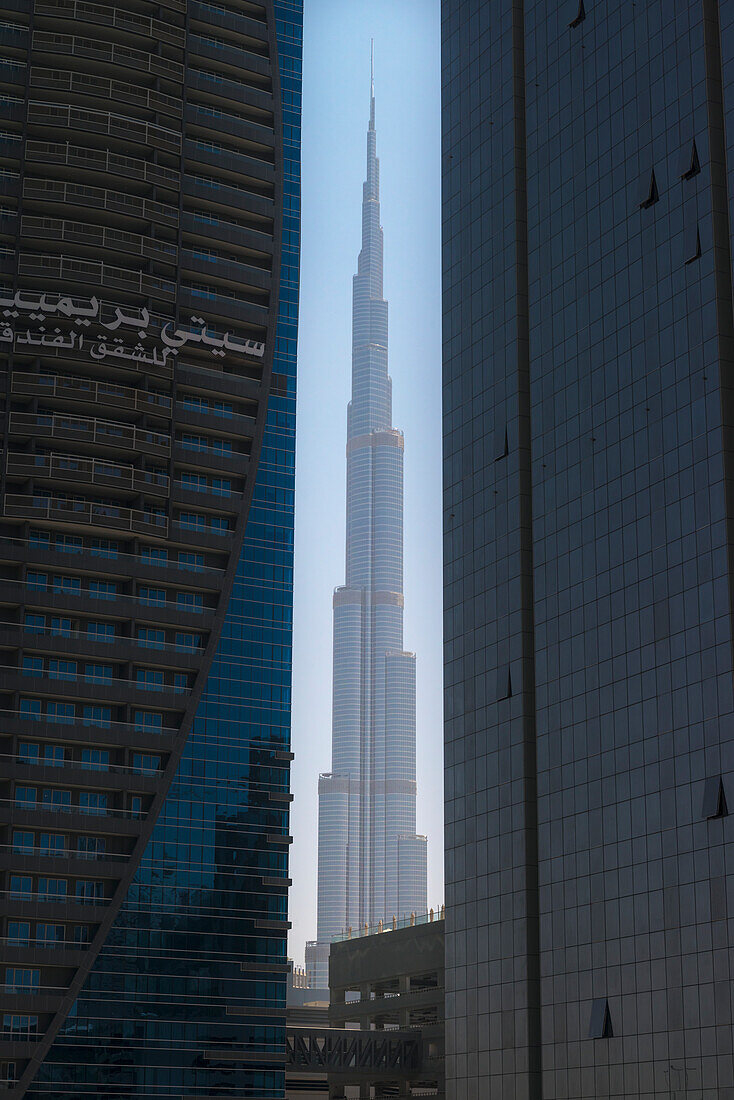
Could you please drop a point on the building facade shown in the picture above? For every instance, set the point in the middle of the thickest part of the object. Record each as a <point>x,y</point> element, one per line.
<point>149,266</point>
<point>588,507</point>
<point>372,864</point>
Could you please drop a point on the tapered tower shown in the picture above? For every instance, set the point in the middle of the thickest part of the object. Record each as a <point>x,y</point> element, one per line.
<point>372,865</point>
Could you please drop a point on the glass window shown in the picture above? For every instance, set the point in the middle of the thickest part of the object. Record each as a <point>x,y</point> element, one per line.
<point>70,586</point>
<point>33,666</point>
<point>153,556</point>
<point>95,760</point>
<point>19,932</point>
<point>190,601</point>
<point>23,843</point>
<point>101,632</point>
<point>88,892</point>
<point>151,679</point>
<point>55,799</point>
<point>95,715</point>
<point>53,756</point>
<point>156,597</point>
<point>20,979</point>
<point>61,670</point>
<point>92,802</point>
<point>26,796</point>
<point>151,638</point>
<point>53,844</point>
<point>68,544</point>
<point>49,934</point>
<point>31,709</point>
<point>37,581</point>
<point>148,722</point>
<point>136,805</point>
<point>148,765</point>
<point>28,752</point>
<point>180,682</point>
<point>104,548</point>
<point>20,1026</point>
<point>102,590</point>
<point>190,560</point>
<point>21,887</point>
<point>59,712</point>
<point>192,521</point>
<point>60,627</point>
<point>82,933</point>
<point>188,641</point>
<point>91,847</point>
<point>36,624</point>
<point>40,538</point>
<point>98,674</point>
<point>51,888</point>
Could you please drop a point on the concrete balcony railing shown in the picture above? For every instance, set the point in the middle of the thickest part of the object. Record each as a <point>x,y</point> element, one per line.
<point>87,471</point>
<point>86,514</point>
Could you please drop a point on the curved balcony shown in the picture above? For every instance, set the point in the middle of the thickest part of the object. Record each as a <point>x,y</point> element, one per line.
<point>108,517</point>
<point>102,160</point>
<point>90,431</point>
<point>95,273</point>
<point>57,117</point>
<point>220,196</point>
<point>90,392</point>
<point>87,471</point>
<point>211,227</point>
<point>80,196</point>
<point>229,56</point>
<point>227,163</point>
<point>98,237</point>
<point>108,53</point>
<point>252,31</point>
<point>104,15</point>
<point>115,91</point>
<point>213,122</point>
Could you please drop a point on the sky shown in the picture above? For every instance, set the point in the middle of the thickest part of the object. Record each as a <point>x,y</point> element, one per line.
<point>336,83</point>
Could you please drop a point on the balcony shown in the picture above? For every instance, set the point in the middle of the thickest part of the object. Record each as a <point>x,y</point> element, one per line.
<point>79,195</point>
<point>212,15</point>
<point>101,160</point>
<point>128,130</point>
<point>110,54</point>
<point>95,273</point>
<point>108,16</point>
<point>98,237</point>
<point>85,514</point>
<point>87,471</point>
<point>114,90</point>
<point>90,392</point>
<point>89,430</point>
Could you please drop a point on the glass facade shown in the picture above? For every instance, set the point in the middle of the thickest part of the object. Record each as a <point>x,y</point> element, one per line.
<point>186,996</point>
<point>589,737</point>
<point>372,865</point>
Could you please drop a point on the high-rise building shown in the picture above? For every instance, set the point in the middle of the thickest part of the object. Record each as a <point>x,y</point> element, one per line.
<point>149,234</point>
<point>372,865</point>
<point>588,519</point>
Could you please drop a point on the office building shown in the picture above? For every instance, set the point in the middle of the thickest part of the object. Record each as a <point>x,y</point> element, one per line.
<point>148,305</point>
<point>371,863</point>
<point>588,510</point>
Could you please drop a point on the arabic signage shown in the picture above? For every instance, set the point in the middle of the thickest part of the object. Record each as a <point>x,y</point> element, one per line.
<point>85,312</point>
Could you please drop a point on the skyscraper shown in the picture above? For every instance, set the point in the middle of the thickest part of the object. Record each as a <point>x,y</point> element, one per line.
<point>588,567</point>
<point>372,865</point>
<point>149,271</point>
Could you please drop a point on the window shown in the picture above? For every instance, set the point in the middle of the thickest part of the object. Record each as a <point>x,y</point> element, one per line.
<point>221,487</point>
<point>219,525</point>
<point>36,624</point>
<point>37,581</point>
<point>55,799</point>
<point>33,666</point>
<point>21,887</point>
<point>180,682</point>
<point>26,796</point>
<point>53,756</point>
<point>68,586</point>
<point>91,847</point>
<point>580,15</point>
<point>153,556</point>
<point>49,934</point>
<point>95,715</point>
<point>59,712</point>
<point>188,641</point>
<point>88,892</point>
<point>20,979</point>
<point>189,560</point>
<point>49,889</point>
<point>148,765</point>
<point>104,548</point>
<point>190,601</point>
<point>102,590</point>
<point>69,544</point>
<point>95,760</point>
<point>23,843</point>
<point>60,627</point>
<point>151,638</point>
<point>28,753</point>
<point>151,679</point>
<point>194,482</point>
<point>20,1026</point>
<point>53,844</point>
<point>31,709</point>
<point>101,632</point>
<point>98,674</point>
<point>82,933</point>
<point>148,722</point>
<point>91,802</point>
<point>19,932</point>
<point>136,805</point>
<point>155,597</point>
<point>600,1024</point>
<point>192,521</point>
<point>61,670</point>
<point>40,538</point>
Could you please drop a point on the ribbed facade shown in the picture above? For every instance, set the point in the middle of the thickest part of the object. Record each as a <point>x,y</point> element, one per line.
<point>148,303</point>
<point>371,863</point>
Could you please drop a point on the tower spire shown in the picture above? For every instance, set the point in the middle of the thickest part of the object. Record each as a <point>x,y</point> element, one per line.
<point>372,84</point>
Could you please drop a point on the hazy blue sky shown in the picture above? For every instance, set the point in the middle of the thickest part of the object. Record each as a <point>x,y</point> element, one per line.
<point>335,116</point>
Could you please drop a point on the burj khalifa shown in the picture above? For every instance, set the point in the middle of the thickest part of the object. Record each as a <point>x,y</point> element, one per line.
<point>371,863</point>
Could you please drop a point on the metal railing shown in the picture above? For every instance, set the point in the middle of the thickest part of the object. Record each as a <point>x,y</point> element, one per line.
<point>109,16</point>
<point>109,433</point>
<point>86,513</point>
<point>392,925</point>
<point>89,470</point>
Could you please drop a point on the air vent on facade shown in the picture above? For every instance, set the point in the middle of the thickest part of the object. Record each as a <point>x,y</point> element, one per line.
<point>714,798</point>
<point>600,1025</point>
<point>649,191</point>
<point>580,15</point>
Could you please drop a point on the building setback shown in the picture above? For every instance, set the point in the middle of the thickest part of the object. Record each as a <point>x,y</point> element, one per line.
<point>148,305</point>
<point>372,865</point>
<point>588,511</point>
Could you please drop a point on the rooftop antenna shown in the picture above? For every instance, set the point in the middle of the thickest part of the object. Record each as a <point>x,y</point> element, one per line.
<point>372,83</point>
